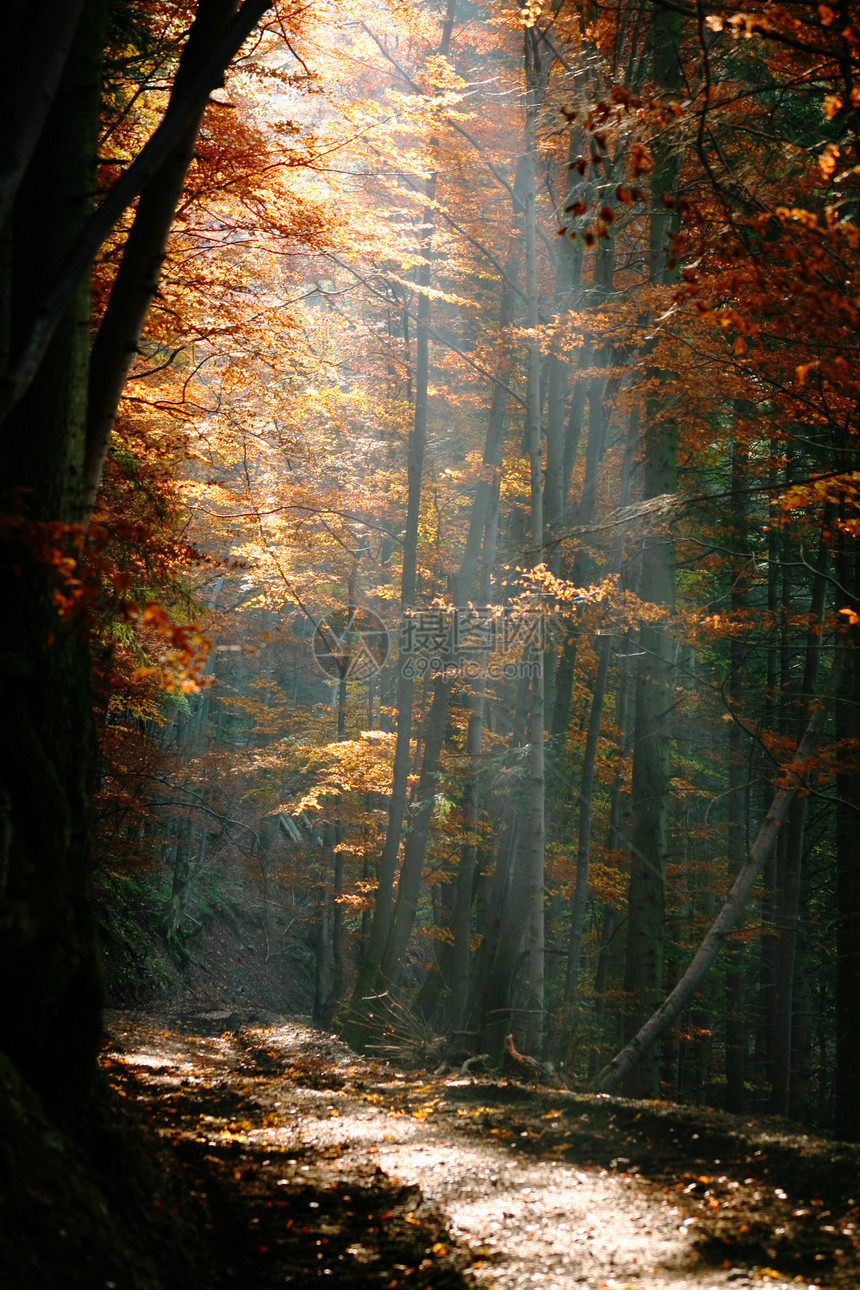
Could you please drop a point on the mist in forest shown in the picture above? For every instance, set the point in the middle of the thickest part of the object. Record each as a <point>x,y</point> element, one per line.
<point>478,577</point>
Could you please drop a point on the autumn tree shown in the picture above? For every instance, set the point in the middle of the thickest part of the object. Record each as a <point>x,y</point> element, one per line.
<point>57,408</point>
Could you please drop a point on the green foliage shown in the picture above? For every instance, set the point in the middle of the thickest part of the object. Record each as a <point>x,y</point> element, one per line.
<point>135,963</point>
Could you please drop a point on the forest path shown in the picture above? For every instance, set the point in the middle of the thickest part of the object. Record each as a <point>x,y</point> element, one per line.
<point>309,1162</point>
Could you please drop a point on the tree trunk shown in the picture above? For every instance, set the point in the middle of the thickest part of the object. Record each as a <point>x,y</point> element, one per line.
<point>847,1076</point>
<point>655,699</point>
<point>50,990</point>
<point>738,784</point>
<point>534,834</point>
<point>55,298</point>
<point>615,843</point>
<point>369,976</point>
<point>579,903</point>
<point>789,871</point>
<point>503,931</point>
<point>764,1030</point>
<point>409,886</point>
<point>461,920</point>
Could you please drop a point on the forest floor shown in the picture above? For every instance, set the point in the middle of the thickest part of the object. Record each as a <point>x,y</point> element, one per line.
<point>303,1161</point>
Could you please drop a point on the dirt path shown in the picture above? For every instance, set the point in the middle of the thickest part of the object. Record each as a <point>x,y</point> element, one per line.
<point>342,1167</point>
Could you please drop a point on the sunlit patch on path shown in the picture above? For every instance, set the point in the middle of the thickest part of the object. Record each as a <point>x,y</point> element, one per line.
<point>343,1167</point>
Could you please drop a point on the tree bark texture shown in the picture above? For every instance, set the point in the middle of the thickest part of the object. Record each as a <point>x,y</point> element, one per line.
<point>738,751</point>
<point>50,991</point>
<point>847,1077</point>
<point>655,699</point>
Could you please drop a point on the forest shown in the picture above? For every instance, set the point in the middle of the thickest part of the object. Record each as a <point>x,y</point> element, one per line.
<point>430,537</point>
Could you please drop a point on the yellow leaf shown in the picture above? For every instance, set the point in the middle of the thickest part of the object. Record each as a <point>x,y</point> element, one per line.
<point>803,370</point>
<point>828,159</point>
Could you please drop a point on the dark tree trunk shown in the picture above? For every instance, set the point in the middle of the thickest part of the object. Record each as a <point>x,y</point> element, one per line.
<point>789,866</point>
<point>847,1077</point>
<point>461,914</point>
<point>655,699</point>
<point>50,986</point>
<point>738,785</point>
<point>50,991</point>
<point>409,886</point>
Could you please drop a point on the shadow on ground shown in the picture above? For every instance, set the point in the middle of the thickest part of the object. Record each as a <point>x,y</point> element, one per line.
<point>243,1152</point>
<point>308,1162</point>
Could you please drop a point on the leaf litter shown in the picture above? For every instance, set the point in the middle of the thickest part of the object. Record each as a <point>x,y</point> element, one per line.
<point>313,1163</point>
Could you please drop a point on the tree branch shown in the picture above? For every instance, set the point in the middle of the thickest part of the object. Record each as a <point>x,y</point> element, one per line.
<point>183,108</point>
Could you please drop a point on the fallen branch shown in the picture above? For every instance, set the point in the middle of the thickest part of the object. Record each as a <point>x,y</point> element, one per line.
<point>660,1021</point>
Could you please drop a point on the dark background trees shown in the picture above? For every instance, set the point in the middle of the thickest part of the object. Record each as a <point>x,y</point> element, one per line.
<point>588,359</point>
